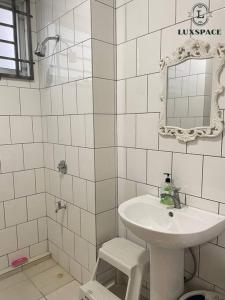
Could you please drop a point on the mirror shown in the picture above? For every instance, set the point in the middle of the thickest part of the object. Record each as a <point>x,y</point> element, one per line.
<point>189,93</point>
<point>191,88</point>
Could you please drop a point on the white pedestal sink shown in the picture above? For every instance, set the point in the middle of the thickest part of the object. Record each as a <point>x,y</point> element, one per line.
<point>169,232</point>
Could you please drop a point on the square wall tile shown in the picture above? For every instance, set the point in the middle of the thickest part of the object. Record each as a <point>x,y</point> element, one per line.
<point>103,157</point>
<point>75,62</point>
<point>27,234</point>
<point>33,155</point>
<point>170,34</point>
<point>3,262</point>
<point>10,103</point>
<point>104,89</point>
<point>24,183</point>
<point>21,130</point>
<point>80,192</point>
<point>136,165</point>
<point>15,211</point>
<point>103,59</point>
<point>187,173</point>
<point>72,160</point>
<point>137,18</point>
<point>64,130</point>
<point>104,126</point>
<point>88,226</point>
<point>37,129</point>
<point>86,163</point>
<point>40,180</point>
<point>126,60</point>
<point>157,17</point>
<point>11,158</point>
<point>102,14</point>
<point>213,174</point>
<point>69,98</point>
<point>126,130</point>
<point>106,226</point>
<point>9,237</point>
<point>158,163</point>
<point>121,25</point>
<point>5,131</point>
<point>67,188</point>
<point>42,229</point>
<point>36,206</point>
<point>105,195</point>
<point>84,96</point>
<point>57,100</point>
<point>147,131</point>
<point>78,130</point>
<point>2,217</point>
<point>74,218</point>
<point>38,249</point>
<point>54,232</point>
<point>203,204</point>
<point>81,251</point>
<point>6,186</point>
<point>82,22</point>
<point>68,242</point>
<point>136,94</point>
<point>121,96</point>
<point>75,268</point>
<point>46,104</point>
<point>30,102</point>
<point>212,264</point>
<point>122,162</point>
<point>48,155</point>
<point>216,4</point>
<point>206,146</point>
<point>67,30</point>
<point>154,92</point>
<point>52,126</point>
<point>148,53</point>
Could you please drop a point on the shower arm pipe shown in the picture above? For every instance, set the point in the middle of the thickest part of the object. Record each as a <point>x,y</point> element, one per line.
<point>41,46</point>
<point>49,39</point>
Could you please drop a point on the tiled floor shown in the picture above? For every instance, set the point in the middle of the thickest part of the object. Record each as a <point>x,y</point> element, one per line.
<point>44,281</point>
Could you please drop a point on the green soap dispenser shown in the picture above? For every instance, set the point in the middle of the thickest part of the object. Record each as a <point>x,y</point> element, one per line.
<point>166,191</point>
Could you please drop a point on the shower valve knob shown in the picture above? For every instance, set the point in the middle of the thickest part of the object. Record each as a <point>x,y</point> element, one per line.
<point>62,167</point>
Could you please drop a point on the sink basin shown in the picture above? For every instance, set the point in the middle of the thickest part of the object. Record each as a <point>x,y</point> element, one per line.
<point>168,232</point>
<point>153,222</point>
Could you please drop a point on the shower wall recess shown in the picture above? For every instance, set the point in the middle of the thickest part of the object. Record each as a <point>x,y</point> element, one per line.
<point>77,87</point>
<point>23,225</point>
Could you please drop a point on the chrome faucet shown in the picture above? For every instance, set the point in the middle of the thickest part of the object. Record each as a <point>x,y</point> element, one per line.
<point>175,197</point>
<point>59,206</point>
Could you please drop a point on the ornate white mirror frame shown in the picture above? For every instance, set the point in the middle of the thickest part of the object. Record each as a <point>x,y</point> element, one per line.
<point>194,49</point>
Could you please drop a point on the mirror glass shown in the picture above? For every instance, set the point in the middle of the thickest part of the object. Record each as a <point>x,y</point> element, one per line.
<point>189,92</point>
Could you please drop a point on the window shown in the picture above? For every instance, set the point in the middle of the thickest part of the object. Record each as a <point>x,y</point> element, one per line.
<point>16,59</point>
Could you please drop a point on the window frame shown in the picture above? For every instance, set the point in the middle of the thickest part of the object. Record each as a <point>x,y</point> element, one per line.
<point>14,26</point>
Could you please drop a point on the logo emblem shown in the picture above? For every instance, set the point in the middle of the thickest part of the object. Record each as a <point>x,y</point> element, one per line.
<point>200,14</point>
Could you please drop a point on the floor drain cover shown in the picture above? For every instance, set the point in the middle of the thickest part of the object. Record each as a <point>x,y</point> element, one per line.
<point>59,275</point>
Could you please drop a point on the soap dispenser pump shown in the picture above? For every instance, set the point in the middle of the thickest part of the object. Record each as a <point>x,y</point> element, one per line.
<point>166,192</point>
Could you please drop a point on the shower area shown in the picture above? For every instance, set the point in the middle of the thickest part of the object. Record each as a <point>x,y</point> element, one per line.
<point>57,139</point>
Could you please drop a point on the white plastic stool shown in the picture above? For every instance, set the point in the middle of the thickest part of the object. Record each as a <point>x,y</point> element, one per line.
<point>128,258</point>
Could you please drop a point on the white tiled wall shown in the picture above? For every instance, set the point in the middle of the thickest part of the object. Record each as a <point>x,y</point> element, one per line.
<point>146,32</point>
<point>23,229</point>
<point>78,119</point>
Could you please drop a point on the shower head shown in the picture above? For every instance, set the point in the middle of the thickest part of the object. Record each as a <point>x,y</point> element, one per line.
<point>41,47</point>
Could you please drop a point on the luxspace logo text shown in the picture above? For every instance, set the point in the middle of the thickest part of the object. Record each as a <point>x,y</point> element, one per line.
<point>200,15</point>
